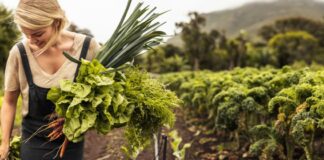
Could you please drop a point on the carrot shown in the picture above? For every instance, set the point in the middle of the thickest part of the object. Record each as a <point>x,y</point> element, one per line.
<point>55,123</point>
<point>64,145</point>
<point>52,134</point>
<point>56,136</point>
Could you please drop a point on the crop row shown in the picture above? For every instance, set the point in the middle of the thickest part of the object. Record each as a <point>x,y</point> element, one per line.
<point>279,113</point>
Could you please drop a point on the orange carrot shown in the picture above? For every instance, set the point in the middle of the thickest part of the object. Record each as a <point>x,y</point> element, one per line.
<point>55,123</point>
<point>52,134</point>
<point>56,136</point>
<point>64,145</point>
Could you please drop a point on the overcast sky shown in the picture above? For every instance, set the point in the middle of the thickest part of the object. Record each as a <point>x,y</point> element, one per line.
<point>102,16</point>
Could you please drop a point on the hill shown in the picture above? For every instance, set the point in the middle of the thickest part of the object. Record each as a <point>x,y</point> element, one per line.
<point>250,17</point>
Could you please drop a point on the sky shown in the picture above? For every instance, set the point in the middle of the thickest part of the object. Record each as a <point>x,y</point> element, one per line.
<point>102,16</point>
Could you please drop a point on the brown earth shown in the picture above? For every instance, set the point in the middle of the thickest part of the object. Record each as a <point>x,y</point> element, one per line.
<point>205,145</point>
<point>202,144</point>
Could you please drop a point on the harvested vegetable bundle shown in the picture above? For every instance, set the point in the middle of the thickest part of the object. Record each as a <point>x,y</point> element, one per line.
<point>105,101</point>
<point>103,98</point>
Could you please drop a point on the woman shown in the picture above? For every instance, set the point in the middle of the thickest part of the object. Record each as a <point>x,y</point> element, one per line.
<point>35,65</point>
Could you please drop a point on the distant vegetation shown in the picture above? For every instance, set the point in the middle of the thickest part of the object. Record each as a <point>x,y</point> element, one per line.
<point>8,34</point>
<point>289,41</point>
<point>259,34</point>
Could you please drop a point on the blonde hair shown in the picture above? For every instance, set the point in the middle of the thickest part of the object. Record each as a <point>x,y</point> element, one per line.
<point>37,14</point>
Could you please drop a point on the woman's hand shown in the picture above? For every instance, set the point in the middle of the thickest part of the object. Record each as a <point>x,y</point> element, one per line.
<point>4,151</point>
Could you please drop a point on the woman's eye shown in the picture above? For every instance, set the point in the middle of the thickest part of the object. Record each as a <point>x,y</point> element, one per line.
<point>38,34</point>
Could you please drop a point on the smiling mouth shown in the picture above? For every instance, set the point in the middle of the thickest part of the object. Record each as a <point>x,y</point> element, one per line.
<point>39,44</point>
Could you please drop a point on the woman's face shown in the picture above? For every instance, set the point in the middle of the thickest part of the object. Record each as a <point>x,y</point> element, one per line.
<point>38,37</point>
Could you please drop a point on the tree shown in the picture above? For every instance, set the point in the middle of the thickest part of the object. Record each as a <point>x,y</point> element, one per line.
<point>197,44</point>
<point>162,59</point>
<point>292,46</point>
<point>9,34</point>
<point>237,50</point>
<point>259,56</point>
<point>315,28</point>
<point>171,50</point>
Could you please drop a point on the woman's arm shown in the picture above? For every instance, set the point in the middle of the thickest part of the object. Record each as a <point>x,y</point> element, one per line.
<point>8,111</point>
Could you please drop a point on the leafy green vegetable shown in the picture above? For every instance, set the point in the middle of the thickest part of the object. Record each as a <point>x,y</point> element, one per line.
<point>106,101</point>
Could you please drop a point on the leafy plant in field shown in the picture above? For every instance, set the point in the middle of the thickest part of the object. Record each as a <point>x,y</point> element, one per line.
<point>288,102</point>
<point>14,148</point>
<point>266,143</point>
<point>14,151</point>
<point>178,152</point>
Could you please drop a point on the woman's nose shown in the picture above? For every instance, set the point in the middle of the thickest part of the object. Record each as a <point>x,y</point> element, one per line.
<point>32,39</point>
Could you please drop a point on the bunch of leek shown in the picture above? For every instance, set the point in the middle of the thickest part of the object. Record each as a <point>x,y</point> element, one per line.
<point>131,37</point>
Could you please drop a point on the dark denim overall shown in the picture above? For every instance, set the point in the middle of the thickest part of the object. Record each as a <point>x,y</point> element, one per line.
<point>38,147</point>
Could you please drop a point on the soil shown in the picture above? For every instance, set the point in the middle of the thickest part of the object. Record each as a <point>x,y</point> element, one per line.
<point>202,144</point>
<point>205,144</point>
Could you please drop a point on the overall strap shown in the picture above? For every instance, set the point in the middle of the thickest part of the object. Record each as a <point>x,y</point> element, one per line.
<point>83,55</point>
<point>25,63</point>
